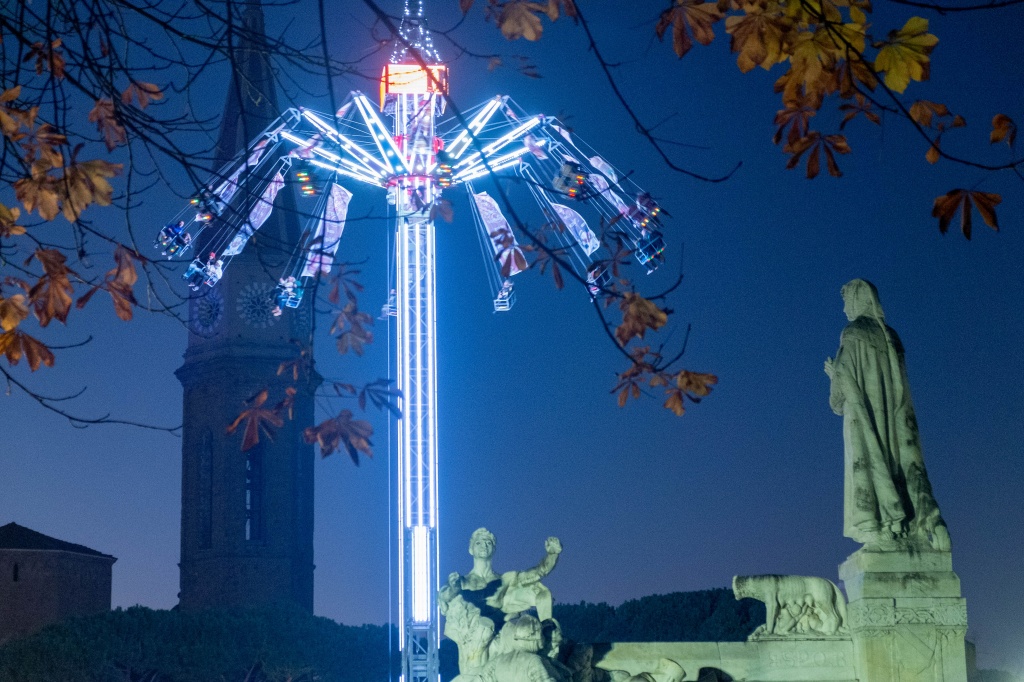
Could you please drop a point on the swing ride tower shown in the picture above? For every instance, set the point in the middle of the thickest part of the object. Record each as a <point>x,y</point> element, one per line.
<point>413,87</point>
<point>413,159</point>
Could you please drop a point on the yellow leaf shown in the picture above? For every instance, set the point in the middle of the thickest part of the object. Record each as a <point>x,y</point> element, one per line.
<point>518,19</point>
<point>8,216</point>
<point>12,311</point>
<point>10,94</point>
<point>675,402</point>
<point>904,55</point>
<point>638,315</point>
<point>758,39</point>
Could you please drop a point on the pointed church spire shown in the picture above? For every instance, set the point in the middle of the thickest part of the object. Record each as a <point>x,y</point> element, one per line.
<point>252,92</point>
<point>246,516</point>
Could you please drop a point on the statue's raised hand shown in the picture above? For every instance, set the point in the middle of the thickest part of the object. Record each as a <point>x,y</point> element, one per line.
<point>454,580</point>
<point>552,546</point>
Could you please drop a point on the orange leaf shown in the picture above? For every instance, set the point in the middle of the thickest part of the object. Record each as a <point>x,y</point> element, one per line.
<point>946,207</point>
<point>1003,128</point>
<point>105,118</point>
<point>638,315</point>
<point>256,419</point>
<point>51,295</point>
<point>698,15</point>
<point>143,93</point>
<point>15,343</point>
<point>343,430</point>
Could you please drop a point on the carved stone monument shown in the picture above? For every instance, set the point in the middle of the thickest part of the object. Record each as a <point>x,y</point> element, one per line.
<point>907,617</point>
<point>902,620</point>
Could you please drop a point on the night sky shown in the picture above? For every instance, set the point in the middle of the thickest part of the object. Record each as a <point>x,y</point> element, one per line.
<point>531,442</point>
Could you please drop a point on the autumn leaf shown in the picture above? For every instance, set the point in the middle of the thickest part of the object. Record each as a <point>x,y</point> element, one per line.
<point>518,19</point>
<point>638,315</point>
<point>904,56</point>
<point>758,38</point>
<point>47,58</point>
<point>143,93</point>
<point>674,402</point>
<point>698,15</point>
<point>39,192</point>
<point>15,343</point>
<point>13,311</point>
<point>382,395</point>
<point>10,94</point>
<point>688,385</point>
<point>256,419</point>
<point>8,217</point>
<point>51,295</point>
<point>796,116</point>
<point>947,206</point>
<point>119,283</point>
<point>1003,128</point>
<point>923,112</point>
<point>86,183</point>
<point>105,118</point>
<point>818,144</point>
<point>465,5</point>
<point>343,430</point>
<point>350,325</point>
<point>696,385</point>
<point>933,154</point>
<point>860,105</point>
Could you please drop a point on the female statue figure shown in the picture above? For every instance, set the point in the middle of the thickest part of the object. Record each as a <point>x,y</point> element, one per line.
<point>888,501</point>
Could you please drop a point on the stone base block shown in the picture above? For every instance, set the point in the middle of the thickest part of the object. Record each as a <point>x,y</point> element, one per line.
<point>906,617</point>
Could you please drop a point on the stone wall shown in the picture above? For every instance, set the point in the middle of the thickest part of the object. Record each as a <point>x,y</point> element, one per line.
<point>40,587</point>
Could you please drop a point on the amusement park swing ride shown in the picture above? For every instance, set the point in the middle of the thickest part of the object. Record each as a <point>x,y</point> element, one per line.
<point>415,160</point>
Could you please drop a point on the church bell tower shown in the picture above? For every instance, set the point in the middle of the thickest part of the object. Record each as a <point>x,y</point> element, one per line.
<point>247,517</point>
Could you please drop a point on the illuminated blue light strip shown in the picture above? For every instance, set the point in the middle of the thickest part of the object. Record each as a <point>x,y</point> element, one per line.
<point>347,144</point>
<point>480,169</point>
<point>461,143</point>
<point>494,169</point>
<point>390,152</point>
<point>502,141</point>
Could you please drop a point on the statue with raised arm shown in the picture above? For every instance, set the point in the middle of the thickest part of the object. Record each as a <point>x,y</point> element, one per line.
<point>476,606</point>
<point>511,592</point>
<point>888,501</point>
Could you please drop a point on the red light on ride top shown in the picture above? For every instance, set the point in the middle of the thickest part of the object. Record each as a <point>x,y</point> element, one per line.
<point>413,79</point>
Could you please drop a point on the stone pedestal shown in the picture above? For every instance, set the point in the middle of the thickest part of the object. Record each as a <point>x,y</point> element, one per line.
<point>906,616</point>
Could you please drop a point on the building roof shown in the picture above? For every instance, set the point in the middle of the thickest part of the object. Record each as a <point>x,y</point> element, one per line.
<point>13,536</point>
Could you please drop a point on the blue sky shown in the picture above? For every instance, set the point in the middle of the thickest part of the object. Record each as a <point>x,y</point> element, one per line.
<point>531,442</point>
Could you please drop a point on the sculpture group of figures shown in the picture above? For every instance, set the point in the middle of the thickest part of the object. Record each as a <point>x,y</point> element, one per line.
<point>505,631</point>
<point>503,623</point>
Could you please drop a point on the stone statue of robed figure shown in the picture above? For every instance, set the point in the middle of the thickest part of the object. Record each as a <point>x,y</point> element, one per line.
<point>888,501</point>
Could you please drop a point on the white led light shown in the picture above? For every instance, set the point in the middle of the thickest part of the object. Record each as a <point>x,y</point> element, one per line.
<point>494,169</point>
<point>474,127</point>
<point>347,144</point>
<point>474,171</point>
<point>502,141</point>
<point>420,574</point>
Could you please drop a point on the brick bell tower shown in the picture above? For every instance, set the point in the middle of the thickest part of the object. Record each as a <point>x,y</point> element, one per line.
<point>246,517</point>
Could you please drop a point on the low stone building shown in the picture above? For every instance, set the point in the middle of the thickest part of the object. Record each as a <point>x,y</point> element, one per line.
<point>44,580</point>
